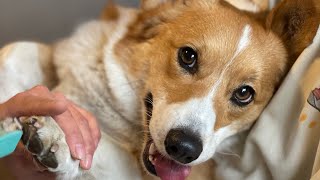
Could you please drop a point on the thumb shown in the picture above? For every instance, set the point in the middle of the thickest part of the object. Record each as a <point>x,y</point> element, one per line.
<point>28,105</point>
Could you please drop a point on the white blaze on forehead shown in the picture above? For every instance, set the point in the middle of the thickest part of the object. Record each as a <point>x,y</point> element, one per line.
<point>242,45</point>
<point>244,40</point>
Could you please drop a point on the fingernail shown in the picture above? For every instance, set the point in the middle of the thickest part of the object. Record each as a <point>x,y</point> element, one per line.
<point>88,161</point>
<point>80,153</point>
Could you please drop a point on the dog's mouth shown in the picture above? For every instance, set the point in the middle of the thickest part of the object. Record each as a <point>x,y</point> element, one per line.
<point>159,165</point>
<point>154,161</point>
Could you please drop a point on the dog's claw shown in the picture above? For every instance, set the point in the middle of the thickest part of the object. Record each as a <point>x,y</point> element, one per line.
<point>28,133</point>
<point>54,148</point>
<point>37,125</point>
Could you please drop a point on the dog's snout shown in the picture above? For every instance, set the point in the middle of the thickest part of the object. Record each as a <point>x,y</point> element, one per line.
<point>183,145</point>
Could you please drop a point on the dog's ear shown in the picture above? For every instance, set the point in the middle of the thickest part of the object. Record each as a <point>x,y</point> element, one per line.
<point>296,23</point>
<point>155,13</point>
<point>150,4</point>
<point>165,5</point>
<point>110,12</point>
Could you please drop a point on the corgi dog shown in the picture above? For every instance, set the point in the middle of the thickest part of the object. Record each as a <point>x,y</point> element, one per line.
<point>168,83</point>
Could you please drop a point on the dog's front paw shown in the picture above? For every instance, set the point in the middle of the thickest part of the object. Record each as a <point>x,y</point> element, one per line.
<point>41,146</point>
<point>46,141</point>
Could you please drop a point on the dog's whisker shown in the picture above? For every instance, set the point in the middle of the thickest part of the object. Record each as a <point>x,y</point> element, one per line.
<point>229,154</point>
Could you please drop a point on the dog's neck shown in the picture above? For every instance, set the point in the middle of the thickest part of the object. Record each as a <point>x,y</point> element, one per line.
<point>128,52</point>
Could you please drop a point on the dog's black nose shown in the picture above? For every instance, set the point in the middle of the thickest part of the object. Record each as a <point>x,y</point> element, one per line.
<point>183,145</point>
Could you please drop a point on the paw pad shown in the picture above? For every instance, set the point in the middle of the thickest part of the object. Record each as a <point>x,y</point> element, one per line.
<point>34,144</point>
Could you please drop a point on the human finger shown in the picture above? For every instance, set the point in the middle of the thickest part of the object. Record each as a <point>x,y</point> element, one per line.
<point>87,138</point>
<point>25,104</point>
<point>73,134</point>
<point>93,124</point>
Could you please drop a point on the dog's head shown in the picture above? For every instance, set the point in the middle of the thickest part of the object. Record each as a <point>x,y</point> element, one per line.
<point>211,71</point>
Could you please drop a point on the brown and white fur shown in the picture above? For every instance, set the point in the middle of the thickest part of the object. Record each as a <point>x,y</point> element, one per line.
<point>109,66</point>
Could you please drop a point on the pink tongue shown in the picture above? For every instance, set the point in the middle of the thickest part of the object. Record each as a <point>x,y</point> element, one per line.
<point>316,93</point>
<point>169,170</point>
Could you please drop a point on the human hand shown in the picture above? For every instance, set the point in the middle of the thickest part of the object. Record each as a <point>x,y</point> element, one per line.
<point>80,127</point>
<point>36,101</point>
<point>82,133</point>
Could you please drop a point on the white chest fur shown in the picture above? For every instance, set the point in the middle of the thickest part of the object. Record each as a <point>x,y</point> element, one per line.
<point>118,81</point>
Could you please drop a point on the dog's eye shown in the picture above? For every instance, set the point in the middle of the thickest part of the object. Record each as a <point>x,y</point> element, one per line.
<point>188,59</point>
<point>243,95</point>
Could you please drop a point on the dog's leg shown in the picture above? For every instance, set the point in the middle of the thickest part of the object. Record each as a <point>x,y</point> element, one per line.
<point>24,65</point>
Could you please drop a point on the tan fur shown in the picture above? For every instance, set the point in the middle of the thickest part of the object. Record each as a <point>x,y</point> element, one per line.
<point>110,12</point>
<point>263,4</point>
<point>296,22</point>
<point>45,58</point>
